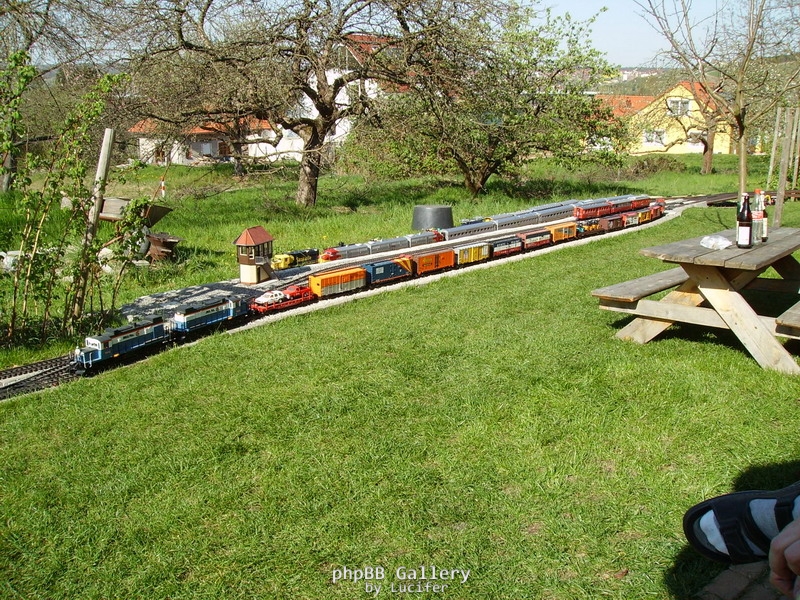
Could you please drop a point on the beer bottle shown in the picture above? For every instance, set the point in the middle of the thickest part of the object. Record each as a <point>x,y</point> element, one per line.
<point>744,224</point>
<point>764,227</point>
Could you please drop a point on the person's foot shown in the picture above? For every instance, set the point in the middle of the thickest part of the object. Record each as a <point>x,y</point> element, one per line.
<point>737,528</point>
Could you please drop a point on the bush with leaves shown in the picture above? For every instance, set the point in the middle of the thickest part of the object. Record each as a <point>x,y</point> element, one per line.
<point>36,303</point>
<point>371,153</point>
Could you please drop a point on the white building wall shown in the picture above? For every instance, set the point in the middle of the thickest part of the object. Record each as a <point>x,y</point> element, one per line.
<point>152,151</point>
<point>290,147</point>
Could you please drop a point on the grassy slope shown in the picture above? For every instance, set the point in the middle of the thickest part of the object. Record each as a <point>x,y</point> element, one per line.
<point>489,421</point>
<point>211,209</point>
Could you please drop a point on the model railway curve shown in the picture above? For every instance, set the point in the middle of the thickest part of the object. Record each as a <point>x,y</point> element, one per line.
<point>50,373</point>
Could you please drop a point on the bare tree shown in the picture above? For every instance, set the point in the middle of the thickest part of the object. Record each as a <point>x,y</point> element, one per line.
<point>54,34</point>
<point>302,66</point>
<point>744,55</point>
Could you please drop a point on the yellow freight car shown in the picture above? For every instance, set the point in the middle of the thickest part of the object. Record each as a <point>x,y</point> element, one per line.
<point>563,231</point>
<point>343,280</point>
<point>471,253</point>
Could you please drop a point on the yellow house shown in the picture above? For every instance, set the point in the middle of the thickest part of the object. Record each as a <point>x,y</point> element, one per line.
<point>676,122</point>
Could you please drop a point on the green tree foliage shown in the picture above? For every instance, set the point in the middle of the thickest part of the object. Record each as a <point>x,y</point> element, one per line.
<point>368,151</point>
<point>62,38</point>
<point>14,80</point>
<point>50,258</point>
<point>305,67</point>
<point>506,92</point>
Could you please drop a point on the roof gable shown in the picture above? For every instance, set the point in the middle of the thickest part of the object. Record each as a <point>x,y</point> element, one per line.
<point>623,105</point>
<point>699,91</point>
<point>253,236</point>
<point>362,45</point>
<point>693,90</point>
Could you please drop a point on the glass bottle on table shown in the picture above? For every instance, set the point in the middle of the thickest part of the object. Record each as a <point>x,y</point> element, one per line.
<point>744,224</point>
<point>757,206</point>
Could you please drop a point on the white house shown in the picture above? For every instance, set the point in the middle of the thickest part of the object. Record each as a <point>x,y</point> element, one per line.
<point>213,140</point>
<point>210,141</point>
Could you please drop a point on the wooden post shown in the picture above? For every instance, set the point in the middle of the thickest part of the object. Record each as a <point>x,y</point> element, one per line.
<point>95,209</point>
<point>791,115</point>
<point>795,150</point>
<point>775,136</point>
<point>100,178</point>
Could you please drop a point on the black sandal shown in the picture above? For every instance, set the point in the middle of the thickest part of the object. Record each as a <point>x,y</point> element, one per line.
<point>784,505</point>
<point>745,541</point>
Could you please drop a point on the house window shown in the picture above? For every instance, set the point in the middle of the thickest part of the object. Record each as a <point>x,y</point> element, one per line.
<point>678,107</point>
<point>654,136</point>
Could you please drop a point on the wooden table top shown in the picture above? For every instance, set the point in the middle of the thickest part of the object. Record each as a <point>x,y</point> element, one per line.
<point>781,243</point>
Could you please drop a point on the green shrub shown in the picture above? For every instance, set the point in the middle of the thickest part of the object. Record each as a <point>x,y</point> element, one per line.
<point>644,166</point>
<point>371,153</point>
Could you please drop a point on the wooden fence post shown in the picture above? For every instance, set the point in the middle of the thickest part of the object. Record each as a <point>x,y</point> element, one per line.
<point>791,115</point>
<point>775,136</point>
<point>96,208</point>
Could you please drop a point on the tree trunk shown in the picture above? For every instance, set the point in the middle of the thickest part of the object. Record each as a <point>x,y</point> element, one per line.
<point>5,180</point>
<point>9,171</point>
<point>742,149</point>
<point>708,152</point>
<point>309,174</point>
<point>238,153</point>
<point>474,177</point>
<point>473,183</point>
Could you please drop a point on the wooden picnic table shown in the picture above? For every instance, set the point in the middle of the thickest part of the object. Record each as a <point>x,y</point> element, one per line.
<point>710,289</point>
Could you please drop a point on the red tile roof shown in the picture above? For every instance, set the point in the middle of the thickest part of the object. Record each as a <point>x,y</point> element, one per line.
<point>253,236</point>
<point>700,92</point>
<point>361,45</point>
<point>147,126</point>
<point>150,126</point>
<point>624,106</point>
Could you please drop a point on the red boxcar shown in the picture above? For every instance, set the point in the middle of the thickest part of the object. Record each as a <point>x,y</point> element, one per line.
<point>534,239</point>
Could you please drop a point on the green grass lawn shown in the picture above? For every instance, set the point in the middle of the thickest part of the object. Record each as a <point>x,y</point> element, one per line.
<point>210,209</point>
<point>489,422</point>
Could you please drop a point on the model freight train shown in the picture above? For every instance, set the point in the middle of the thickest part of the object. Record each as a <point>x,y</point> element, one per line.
<point>597,210</point>
<point>587,217</point>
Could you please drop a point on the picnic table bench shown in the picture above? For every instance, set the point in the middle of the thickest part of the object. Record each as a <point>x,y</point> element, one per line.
<point>636,289</point>
<point>706,289</point>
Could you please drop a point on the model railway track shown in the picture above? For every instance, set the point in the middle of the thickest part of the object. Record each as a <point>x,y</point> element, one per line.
<point>720,199</point>
<point>159,333</point>
<point>36,376</point>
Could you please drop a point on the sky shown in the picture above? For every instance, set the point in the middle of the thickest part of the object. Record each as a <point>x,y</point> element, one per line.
<point>621,32</point>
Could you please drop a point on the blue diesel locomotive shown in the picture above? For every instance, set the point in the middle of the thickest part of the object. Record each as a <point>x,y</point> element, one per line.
<point>144,335</point>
